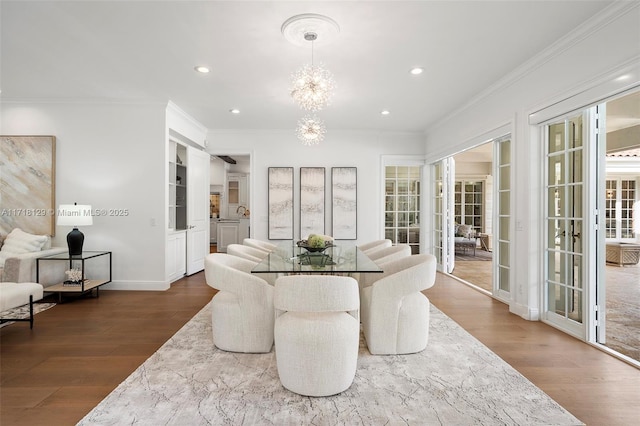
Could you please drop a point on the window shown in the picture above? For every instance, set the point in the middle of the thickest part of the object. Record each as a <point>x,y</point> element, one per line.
<point>469,204</point>
<point>402,205</point>
<point>620,199</point>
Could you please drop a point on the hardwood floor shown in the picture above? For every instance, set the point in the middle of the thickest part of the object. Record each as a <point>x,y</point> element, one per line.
<point>622,301</point>
<point>80,351</point>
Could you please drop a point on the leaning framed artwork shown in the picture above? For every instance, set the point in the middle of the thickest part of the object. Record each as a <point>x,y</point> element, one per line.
<point>312,195</point>
<point>280,203</point>
<point>27,184</point>
<point>344,203</point>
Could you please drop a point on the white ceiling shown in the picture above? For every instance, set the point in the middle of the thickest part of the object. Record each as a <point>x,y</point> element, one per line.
<point>145,51</point>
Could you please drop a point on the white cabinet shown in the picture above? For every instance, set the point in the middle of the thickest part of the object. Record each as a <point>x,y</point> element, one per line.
<point>237,194</point>
<point>228,233</point>
<point>176,255</point>
<point>243,230</point>
<point>213,231</point>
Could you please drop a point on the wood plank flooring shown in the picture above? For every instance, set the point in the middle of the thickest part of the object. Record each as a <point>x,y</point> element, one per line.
<point>79,351</point>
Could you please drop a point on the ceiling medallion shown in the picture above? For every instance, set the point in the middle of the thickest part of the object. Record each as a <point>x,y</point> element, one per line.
<point>311,130</point>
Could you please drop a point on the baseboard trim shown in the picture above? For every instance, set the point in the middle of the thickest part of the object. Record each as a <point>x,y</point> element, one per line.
<point>524,312</point>
<point>137,285</point>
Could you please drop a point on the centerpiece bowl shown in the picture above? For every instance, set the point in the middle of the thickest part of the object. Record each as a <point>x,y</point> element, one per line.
<point>314,249</point>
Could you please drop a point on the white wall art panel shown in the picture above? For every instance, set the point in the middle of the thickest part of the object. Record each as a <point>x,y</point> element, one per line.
<point>280,203</point>
<point>344,192</point>
<point>312,195</point>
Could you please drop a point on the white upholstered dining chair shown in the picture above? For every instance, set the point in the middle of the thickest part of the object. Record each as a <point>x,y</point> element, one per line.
<point>259,244</point>
<point>242,311</point>
<point>246,252</point>
<point>317,333</point>
<point>388,254</point>
<point>372,246</point>
<point>395,314</point>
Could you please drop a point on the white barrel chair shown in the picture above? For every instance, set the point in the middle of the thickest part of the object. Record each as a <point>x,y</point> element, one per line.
<point>242,311</point>
<point>317,333</point>
<point>259,244</point>
<point>372,246</point>
<point>246,252</point>
<point>388,254</point>
<point>395,312</point>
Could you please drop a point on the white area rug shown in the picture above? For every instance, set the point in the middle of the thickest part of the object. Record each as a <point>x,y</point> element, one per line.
<point>455,381</point>
<point>22,312</point>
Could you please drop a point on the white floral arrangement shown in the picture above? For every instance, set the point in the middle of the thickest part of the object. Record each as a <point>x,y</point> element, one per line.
<point>74,275</point>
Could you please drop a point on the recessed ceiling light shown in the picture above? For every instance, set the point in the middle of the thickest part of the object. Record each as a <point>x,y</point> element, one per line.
<point>385,112</point>
<point>234,111</point>
<point>202,69</point>
<point>416,70</point>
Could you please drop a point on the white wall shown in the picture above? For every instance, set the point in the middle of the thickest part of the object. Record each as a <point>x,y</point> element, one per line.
<point>111,156</point>
<point>340,149</point>
<point>593,56</point>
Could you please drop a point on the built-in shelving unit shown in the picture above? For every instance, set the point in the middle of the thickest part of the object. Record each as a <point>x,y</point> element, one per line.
<point>177,186</point>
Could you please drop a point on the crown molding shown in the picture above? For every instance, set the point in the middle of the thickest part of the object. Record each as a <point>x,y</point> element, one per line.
<point>584,30</point>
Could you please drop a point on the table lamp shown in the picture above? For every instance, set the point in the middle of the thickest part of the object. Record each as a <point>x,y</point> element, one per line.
<point>75,215</point>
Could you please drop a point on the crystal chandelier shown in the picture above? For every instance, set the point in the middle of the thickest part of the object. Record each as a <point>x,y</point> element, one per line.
<point>310,130</point>
<point>312,85</point>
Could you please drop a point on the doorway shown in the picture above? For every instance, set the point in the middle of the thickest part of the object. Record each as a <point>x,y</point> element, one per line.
<point>230,200</point>
<point>472,216</point>
<point>473,212</point>
<point>591,217</point>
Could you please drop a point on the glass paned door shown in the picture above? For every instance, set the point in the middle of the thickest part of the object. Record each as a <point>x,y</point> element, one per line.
<point>402,205</point>
<point>437,202</point>
<point>442,244</point>
<point>502,154</point>
<point>564,248</point>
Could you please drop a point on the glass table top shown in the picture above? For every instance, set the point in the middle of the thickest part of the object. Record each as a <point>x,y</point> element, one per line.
<point>341,258</point>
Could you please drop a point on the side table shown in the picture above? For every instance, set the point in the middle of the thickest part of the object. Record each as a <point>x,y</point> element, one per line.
<point>85,285</point>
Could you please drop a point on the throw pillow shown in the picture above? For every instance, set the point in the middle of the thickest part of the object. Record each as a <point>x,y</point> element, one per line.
<point>20,242</point>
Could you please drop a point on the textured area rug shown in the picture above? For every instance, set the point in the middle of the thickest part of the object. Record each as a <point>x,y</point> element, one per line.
<point>22,312</point>
<point>480,255</point>
<point>455,381</point>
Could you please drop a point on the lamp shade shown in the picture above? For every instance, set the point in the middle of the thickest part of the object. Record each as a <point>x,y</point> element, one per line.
<point>74,215</point>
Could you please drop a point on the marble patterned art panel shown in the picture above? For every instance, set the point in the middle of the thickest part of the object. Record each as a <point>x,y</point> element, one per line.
<point>280,203</point>
<point>311,201</point>
<point>27,184</point>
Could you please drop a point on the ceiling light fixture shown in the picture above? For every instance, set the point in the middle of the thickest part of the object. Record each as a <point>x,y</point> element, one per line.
<point>310,130</point>
<point>234,111</point>
<point>312,85</point>
<point>385,112</point>
<point>202,69</point>
<point>416,71</point>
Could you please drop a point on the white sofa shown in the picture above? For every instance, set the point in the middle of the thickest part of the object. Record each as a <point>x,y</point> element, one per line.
<point>18,253</point>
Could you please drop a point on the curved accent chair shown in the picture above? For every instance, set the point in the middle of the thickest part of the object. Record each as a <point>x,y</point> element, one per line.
<point>317,333</point>
<point>395,314</point>
<point>259,244</point>
<point>388,254</point>
<point>372,246</point>
<point>242,312</point>
<point>246,252</point>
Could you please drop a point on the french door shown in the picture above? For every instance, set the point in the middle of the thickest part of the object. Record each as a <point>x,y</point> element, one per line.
<point>570,216</point>
<point>442,176</point>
